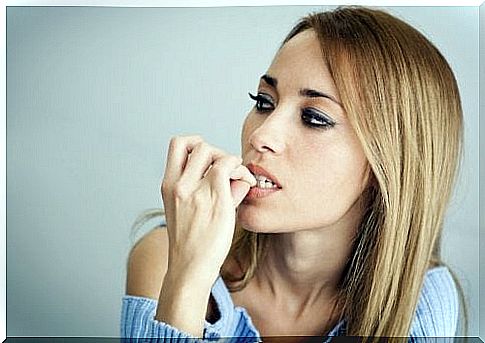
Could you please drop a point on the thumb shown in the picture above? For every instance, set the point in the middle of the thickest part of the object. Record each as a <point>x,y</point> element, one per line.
<point>239,189</point>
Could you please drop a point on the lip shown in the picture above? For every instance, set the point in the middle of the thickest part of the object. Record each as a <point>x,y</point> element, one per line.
<point>255,169</point>
<point>256,192</point>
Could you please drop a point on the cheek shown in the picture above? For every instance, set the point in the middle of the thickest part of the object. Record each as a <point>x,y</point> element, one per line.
<point>332,178</point>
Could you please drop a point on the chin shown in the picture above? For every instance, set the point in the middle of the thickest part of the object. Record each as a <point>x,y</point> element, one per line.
<point>251,226</point>
<point>255,229</point>
<point>251,221</point>
<point>259,223</point>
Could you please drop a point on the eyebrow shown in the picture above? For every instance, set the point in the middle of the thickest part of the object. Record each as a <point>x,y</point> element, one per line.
<point>306,92</point>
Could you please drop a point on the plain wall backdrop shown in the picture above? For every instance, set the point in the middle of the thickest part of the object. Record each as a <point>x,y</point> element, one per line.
<point>482,172</point>
<point>94,95</point>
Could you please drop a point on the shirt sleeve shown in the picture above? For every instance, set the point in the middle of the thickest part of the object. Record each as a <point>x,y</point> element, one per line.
<point>438,307</point>
<point>138,321</point>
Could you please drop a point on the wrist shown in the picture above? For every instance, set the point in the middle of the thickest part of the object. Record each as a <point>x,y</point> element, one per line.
<point>191,273</point>
<point>187,278</point>
<point>183,302</point>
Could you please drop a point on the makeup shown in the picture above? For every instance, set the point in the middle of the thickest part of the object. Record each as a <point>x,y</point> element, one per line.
<point>257,192</point>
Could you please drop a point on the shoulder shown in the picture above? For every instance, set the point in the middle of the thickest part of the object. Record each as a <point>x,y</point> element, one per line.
<point>438,305</point>
<point>147,264</point>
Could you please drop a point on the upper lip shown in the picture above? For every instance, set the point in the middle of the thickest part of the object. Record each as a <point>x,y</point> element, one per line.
<point>258,170</point>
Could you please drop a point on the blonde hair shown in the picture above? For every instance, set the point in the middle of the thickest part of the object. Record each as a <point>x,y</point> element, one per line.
<point>402,100</point>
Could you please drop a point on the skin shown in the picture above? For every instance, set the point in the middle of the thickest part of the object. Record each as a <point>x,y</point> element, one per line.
<point>322,173</point>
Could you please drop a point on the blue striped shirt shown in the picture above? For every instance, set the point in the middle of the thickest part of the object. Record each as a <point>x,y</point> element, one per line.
<point>436,315</point>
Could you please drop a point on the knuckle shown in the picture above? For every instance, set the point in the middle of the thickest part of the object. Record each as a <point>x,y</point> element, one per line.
<point>193,139</point>
<point>218,171</point>
<point>165,187</point>
<point>180,191</point>
<point>199,198</point>
<point>202,147</point>
<point>237,159</point>
<point>222,167</point>
<point>208,150</point>
<point>232,159</point>
<point>174,141</point>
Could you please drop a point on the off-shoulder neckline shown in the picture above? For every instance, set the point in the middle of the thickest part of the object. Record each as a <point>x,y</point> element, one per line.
<point>226,306</point>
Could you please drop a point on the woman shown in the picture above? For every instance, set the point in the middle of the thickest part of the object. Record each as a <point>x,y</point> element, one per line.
<point>330,222</point>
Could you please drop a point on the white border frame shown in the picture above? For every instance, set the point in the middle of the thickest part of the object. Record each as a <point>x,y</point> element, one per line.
<point>142,3</point>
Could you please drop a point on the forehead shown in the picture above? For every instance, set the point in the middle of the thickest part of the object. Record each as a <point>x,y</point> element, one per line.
<point>299,63</point>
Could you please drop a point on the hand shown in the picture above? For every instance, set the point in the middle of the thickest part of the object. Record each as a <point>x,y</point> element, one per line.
<point>201,190</point>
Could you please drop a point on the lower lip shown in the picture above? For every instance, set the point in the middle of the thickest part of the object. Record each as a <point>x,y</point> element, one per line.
<point>256,192</point>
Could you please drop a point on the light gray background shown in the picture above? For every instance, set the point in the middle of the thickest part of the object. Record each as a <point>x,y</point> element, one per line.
<point>482,172</point>
<point>93,97</point>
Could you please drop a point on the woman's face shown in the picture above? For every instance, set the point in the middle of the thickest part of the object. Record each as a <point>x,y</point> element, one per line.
<point>298,132</point>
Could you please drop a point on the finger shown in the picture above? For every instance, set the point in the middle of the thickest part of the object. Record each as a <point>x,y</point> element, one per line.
<point>178,151</point>
<point>219,175</point>
<point>239,189</point>
<point>200,160</point>
<point>242,173</point>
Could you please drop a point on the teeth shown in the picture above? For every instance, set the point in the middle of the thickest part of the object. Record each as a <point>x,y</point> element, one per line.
<point>264,182</point>
<point>262,178</point>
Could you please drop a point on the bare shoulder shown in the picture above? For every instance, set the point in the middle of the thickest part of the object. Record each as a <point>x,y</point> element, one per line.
<point>147,264</point>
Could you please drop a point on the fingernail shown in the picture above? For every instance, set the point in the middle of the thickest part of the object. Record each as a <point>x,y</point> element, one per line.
<point>254,182</point>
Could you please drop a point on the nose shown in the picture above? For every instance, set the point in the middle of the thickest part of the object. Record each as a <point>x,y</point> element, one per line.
<point>271,135</point>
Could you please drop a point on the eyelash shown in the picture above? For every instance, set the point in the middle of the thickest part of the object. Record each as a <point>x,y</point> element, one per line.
<point>309,112</point>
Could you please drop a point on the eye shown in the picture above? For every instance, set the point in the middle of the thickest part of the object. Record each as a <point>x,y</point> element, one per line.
<point>264,102</point>
<point>316,119</point>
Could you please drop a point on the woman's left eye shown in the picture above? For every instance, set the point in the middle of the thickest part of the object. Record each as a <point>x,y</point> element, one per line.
<point>314,118</point>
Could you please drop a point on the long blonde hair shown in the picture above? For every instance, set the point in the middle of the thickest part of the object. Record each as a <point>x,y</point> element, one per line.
<point>402,100</point>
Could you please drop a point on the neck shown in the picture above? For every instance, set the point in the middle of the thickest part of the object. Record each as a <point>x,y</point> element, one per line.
<point>303,269</point>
